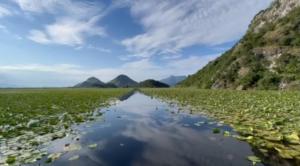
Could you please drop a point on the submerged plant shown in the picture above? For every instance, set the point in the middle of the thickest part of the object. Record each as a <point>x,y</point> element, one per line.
<point>254,160</point>
<point>216,130</point>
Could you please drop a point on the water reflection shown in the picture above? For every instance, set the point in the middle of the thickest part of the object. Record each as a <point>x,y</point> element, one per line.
<point>145,131</point>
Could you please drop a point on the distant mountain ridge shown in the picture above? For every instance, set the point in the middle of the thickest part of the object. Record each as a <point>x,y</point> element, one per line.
<point>123,81</point>
<point>266,58</point>
<point>173,80</point>
<point>94,82</point>
<point>152,84</point>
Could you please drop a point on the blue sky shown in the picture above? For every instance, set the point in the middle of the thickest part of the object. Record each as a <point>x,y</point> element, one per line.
<point>49,43</point>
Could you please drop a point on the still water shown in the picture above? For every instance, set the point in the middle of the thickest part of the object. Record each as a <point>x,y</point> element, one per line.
<point>143,131</point>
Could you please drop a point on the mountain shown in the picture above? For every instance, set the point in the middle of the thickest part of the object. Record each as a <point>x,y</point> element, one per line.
<point>267,57</point>
<point>94,82</point>
<point>173,80</point>
<point>152,84</point>
<point>123,81</point>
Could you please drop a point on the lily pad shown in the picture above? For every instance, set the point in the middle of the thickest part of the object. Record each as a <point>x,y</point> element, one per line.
<point>274,137</point>
<point>74,158</point>
<point>11,159</point>
<point>292,138</point>
<point>200,123</point>
<point>226,133</point>
<point>93,146</point>
<point>242,138</point>
<point>287,153</point>
<point>265,119</point>
<point>72,147</point>
<point>54,156</point>
<point>254,159</point>
<point>32,123</point>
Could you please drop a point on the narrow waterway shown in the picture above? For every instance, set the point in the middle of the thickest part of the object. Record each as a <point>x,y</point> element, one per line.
<point>144,131</point>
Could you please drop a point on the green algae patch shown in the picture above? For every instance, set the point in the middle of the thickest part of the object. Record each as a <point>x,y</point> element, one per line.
<point>268,120</point>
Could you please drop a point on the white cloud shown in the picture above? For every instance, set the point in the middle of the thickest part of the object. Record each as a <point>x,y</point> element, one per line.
<point>36,5</point>
<point>74,23</point>
<point>67,74</point>
<point>175,24</point>
<point>39,37</point>
<point>67,32</point>
<point>60,7</point>
<point>4,11</point>
<point>96,48</point>
<point>100,49</point>
<point>61,68</point>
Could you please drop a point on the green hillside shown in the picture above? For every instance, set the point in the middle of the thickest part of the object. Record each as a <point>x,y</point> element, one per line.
<point>267,57</point>
<point>152,84</point>
<point>123,81</point>
<point>94,82</point>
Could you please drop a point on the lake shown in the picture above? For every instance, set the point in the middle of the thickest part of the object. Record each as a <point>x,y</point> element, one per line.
<point>141,130</point>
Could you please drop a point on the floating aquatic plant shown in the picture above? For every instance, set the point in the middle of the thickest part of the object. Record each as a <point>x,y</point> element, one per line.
<point>268,120</point>
<point>30,118</point>
<point>72,147</point>
<point>200,123</point>
<point>11,159</point>
<point>53,156</point>
<point>226,133</point>
<point>254,160</point>
<point>93,146</point>
<point>74,157</point>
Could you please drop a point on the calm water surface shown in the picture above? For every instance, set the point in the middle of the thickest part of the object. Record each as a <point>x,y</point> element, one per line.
<point>143,131</point>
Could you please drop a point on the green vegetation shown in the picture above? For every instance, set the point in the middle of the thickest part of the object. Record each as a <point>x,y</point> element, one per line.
<point>94,82</point>
<point>10,160</point>
<point>267,57</point>
<point>123,81</point>
<point>152,84</point>
<point>268,120</point>
<point>31,118</point>
<point>254,160</point>
<point>216,130</point>
<point>42,110</point>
